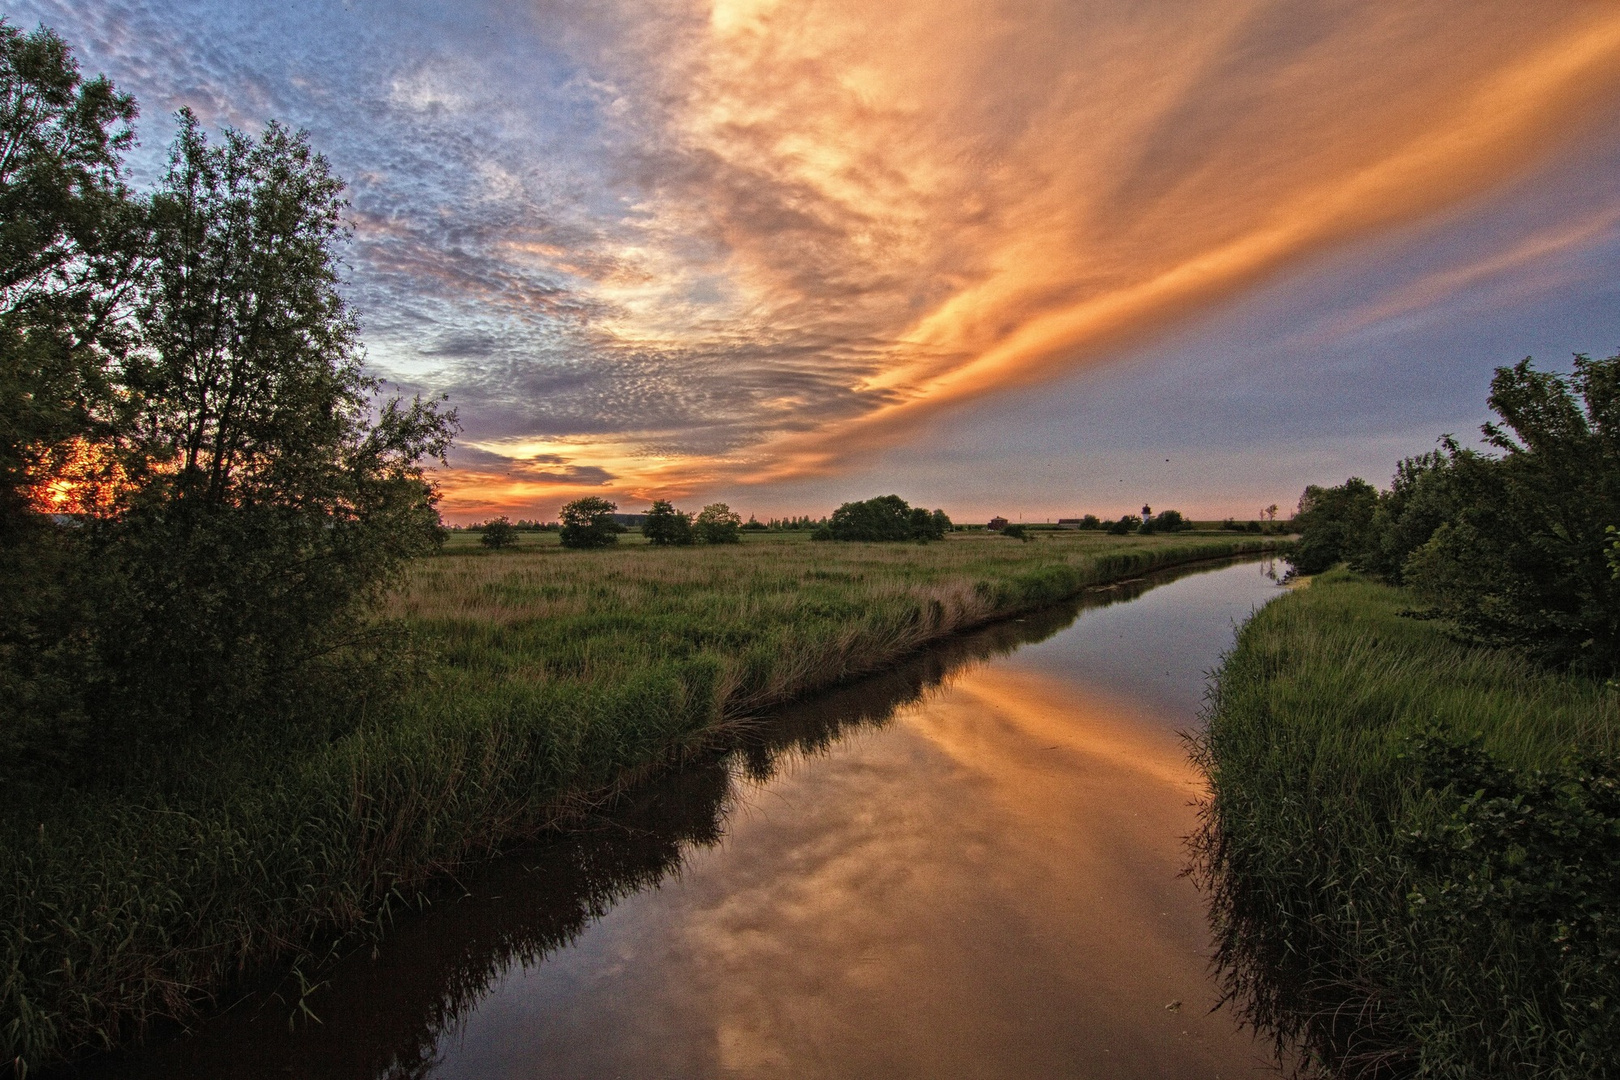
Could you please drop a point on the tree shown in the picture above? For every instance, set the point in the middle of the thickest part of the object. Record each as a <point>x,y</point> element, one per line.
<point>716,524</point>
<point>588,523</point>
<point>498,533</point>
<point>1164,521</point>
<point>1127,523</point>
<point>1334,524</point>
<point>1522,555</point>
<point>69,261</point>
<point>887,518</point>
<point>1090,521</point>
<point>666,526</point>
<point>270,497</point>
<point>1018,532</point>
<point>69,264</point>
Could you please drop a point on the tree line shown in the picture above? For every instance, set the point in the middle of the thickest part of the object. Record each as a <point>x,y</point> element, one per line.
<point>201,486</point>
<point>1514,546</point>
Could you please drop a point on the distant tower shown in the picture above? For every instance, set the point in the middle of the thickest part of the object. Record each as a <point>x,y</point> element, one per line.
<point>1147,511</point>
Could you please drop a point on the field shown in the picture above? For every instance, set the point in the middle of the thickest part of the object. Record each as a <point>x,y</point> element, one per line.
<point>1413,844</point>
<point>543,679</point>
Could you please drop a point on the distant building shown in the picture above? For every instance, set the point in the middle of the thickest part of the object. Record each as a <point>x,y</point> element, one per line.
<point>1068,523</point>
<point>997,524</point>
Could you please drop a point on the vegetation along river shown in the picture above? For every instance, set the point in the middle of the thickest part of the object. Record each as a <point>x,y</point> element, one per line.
<point>967,867</point>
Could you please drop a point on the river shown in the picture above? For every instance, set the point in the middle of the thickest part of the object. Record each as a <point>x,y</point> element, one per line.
<point>969,866</point>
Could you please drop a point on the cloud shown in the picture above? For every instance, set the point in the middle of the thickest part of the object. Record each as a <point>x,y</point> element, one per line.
<point>723,242</point>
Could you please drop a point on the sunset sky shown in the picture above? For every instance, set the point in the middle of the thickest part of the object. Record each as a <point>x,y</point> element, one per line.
<point>1027,257</point>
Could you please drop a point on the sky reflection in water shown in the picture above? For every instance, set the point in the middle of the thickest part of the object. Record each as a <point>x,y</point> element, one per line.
<point>965,867</point>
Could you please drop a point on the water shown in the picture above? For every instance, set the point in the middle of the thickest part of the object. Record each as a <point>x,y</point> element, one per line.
<point>967,867</point>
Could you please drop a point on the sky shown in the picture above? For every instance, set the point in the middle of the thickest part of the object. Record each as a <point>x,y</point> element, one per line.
<point>1035,258</point>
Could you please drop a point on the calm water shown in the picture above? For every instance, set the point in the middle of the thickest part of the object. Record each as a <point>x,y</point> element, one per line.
<point>968,867</point>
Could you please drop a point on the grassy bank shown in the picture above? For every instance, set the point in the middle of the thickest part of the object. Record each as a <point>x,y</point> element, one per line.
<point>1413,845</point>
<point>549,677</point>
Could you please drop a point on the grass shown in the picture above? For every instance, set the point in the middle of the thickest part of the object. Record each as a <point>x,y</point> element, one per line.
<point>1413,845</point>
<point>550,679</point>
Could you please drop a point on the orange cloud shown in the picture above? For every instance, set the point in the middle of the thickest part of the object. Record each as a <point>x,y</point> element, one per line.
<point>926,201</point>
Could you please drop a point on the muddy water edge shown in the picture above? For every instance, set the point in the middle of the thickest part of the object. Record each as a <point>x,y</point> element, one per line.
<point>969,866</point>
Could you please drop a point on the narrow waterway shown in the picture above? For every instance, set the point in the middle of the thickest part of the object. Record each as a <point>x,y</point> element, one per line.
<point>967,867</point>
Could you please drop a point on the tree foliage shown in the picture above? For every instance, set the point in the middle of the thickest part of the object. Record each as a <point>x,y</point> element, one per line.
<point>588,523</point>
<point>69,259</point>
<point>887,518</point>
<point>1511,547</point>
<point>666,526</point>
<point>183,378</point>
<point>717,524</point>
<point>498,533</point>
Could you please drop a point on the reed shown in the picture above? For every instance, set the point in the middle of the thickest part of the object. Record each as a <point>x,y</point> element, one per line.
<point>1410,845</point>
<point>548,681</point>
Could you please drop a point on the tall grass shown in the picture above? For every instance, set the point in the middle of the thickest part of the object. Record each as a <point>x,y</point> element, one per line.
<point>1413,845</point>
<point>551,679</point>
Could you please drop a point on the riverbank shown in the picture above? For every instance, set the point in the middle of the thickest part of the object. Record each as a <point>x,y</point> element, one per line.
<point>549,678</point>
<point>1413,845</point>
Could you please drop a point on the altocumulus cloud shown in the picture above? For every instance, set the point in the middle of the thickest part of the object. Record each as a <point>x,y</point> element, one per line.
<point>663,247</point>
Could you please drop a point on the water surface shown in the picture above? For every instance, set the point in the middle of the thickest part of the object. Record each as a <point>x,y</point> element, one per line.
<point>967,867</point>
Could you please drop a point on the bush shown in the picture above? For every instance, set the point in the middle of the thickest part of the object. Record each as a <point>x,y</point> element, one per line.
<point>716,524</point>
<point>1127,523</point>
<point>1510,548</point>
<point>498,533</point>
<point>241,499</point>
<point>1090,521</point>
<point>666,526</point>
<point>887,518</point>
<point>1168,521</point>
<point>1334,523</point>
<point>588,523</point>
<point>1018,532</point>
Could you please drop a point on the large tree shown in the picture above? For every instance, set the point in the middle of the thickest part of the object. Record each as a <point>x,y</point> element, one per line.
<point>271,494</point>
<point>69,260</point>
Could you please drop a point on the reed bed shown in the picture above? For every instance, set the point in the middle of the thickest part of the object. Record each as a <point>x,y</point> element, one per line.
<point>1413,845</point>
<point>549,680</point>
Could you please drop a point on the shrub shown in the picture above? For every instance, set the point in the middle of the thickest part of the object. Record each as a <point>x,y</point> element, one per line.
<point>588,523</point>
<point>666,526</point>
<point>498,533</point>
<point>1018,532</point>
<point>717,524</point>
<point>1334,524</point>
<point>1127,523</point>
<point>1165,521</point>
<point>1090,521</point>
<point>887,518</point>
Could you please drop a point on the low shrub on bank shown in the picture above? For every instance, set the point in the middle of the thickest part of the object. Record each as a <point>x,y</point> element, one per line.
<point>1411,844</point>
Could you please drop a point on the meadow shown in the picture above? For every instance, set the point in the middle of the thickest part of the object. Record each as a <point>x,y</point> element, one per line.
<point>541,681</point>
<point>1413,844</point>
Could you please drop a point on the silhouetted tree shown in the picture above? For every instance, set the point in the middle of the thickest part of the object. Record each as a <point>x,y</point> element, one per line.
<point>498,533</point>
<point>666,526</point>
<point>716,524</point>
<point>588,523</point>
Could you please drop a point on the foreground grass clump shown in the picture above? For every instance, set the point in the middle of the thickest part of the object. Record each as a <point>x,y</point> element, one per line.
<point>1413,845</point>
<point>548,678</point>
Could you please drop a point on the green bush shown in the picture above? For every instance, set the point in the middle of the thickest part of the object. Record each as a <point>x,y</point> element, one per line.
<point>498,533</point>
<point>588,523</point>
<point>887,518</point>
<point>666,526</point>
<point>717,524</point>
<point>1510,548</point>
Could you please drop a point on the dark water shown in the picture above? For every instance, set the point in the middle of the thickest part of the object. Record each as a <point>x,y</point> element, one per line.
<point>967,867</point>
